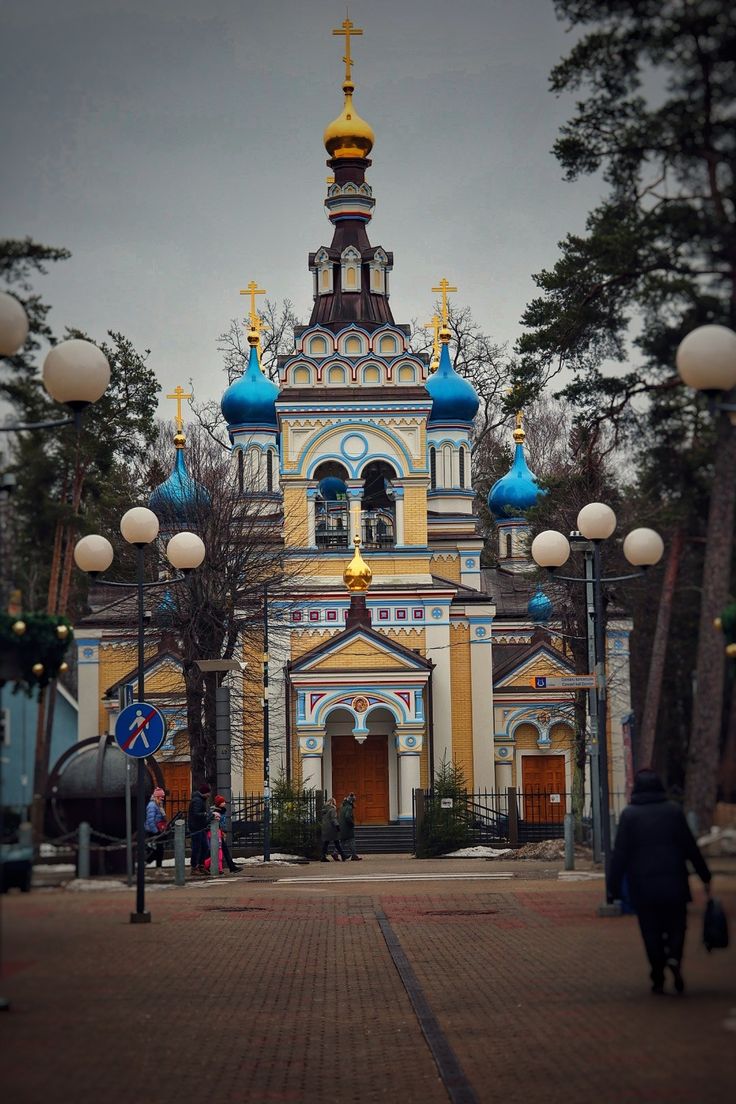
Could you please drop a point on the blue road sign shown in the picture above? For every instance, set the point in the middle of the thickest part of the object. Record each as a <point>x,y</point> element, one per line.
<point>140,730</point>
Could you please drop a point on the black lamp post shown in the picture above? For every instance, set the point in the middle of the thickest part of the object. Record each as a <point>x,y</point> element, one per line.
<point>642,548</point>
<point>93,554</point>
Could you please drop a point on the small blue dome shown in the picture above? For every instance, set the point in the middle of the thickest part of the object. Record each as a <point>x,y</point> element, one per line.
<point>250,400</point>
<point>453,398</point>
<point>166,610</point>
<point>177,498</point>
<point>540,607</point>
<point>516,491</point>
<point>331,488</point>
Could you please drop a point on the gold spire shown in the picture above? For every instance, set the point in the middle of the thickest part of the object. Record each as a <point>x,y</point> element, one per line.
<point>519,434</point>
<point>443,290</point>
<point>357,575</point>
<point>434,325</point>
<point>348,135</point>
<point>252,289</point>
<point>179,394</point>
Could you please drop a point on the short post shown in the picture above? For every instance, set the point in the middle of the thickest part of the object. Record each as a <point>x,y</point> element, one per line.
<point>128,824</point>
<point>569,826</point>
<point>83,850</point>
<point>513,816</point>
<point>419,812</point>
<point>214,847</point>
<point>180,857</point>
<point>25,834</point>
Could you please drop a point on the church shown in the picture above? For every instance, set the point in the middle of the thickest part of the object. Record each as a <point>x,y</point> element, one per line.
<point>401,651</point>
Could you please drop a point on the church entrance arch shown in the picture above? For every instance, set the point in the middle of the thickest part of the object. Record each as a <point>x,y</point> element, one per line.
<point>365,769</point>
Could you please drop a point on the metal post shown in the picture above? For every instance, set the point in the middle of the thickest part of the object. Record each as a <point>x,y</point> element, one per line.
<point>595,794</point>
<point>180,857</point>
<point>569,825</point>
<point>214,847</point>
<point>128,824</point>
<point>602,705</point>
<point>222,746</point>
<point>140,916</point>
<point>83,850</point>
<point>513,811</point>
<point>266,748</point>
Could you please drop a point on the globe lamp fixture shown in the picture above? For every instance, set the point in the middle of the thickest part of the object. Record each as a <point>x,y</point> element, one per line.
<point>596,521</point>
<point>139,526</point>
<point>13,325</point>
<point>185,551</point>
<point>76,373</point>
<point>643,547</point>
<point>706,358</point>
<point>550,549</point>
<point>93,554</point>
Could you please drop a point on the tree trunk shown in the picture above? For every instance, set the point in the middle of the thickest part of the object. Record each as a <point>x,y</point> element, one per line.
<point>194,682</point>
<point>701,777</point>
<point>728,760</point>
<point>648,730</point>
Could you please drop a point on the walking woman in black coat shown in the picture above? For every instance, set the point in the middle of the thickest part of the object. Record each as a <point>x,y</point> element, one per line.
<point>653,846</point>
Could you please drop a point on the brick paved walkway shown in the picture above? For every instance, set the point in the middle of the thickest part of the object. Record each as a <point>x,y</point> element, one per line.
<point>253,991</point>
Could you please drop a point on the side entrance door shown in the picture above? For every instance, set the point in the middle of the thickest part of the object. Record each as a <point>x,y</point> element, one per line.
<point>543,785</point>
<point>363,770</point>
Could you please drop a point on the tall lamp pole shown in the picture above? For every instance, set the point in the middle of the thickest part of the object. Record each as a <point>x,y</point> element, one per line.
<point>706,361</point>
<point>642,548</point>
<point>93,554</point>
<point>266,744</point>
<point>77,374</point>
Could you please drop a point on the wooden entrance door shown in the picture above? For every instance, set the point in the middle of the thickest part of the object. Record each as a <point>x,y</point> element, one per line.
<point>543,784</point>
<point>178,785</point>
<point>363,770</point>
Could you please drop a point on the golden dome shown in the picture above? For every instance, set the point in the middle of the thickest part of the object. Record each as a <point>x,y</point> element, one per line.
<point>179,440</point>
<point>519,435</point>
<point>357,575</point>
<point>348,135</point>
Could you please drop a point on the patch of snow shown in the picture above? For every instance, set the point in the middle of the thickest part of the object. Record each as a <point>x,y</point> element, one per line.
<point>56,868</point>
<point>82,884</point>
<point>479,852</point>
<point>277,860</point>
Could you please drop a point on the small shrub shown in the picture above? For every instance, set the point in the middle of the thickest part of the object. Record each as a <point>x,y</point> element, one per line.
<point>445,830</point>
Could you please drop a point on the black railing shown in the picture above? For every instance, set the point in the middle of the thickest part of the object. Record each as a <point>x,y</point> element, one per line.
<point>294,820</point>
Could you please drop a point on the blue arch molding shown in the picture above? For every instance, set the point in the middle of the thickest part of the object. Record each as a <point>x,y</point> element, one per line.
<point>331,704</point>
<point>358,429</point>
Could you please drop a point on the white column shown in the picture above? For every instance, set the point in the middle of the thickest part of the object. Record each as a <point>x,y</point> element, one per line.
<point>399,503</point>
<point>437,634</point>
<point>311,514</point>
<point>481,675</point>
<point>408,782</point>
<point>311,749</point>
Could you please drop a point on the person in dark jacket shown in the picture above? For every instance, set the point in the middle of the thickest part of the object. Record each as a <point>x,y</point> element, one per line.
<point>653,847</point>
<point>197,821</point>
<point>221,806</point>
<point>347,828</point>
<point>331,832</point>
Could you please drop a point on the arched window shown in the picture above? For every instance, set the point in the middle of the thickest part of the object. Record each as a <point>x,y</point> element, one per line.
<point>241,466</point>
<point>269,470</point>
<point>371,375</point>
<point>462,467</point>
<point>387,344</point>
<point>318,347</point>
<point>353,346</point>
<point>508,546</point>
<point>336,375</point>
<point>406,374</point>
<point>433,467</point>
<point>302,375</point>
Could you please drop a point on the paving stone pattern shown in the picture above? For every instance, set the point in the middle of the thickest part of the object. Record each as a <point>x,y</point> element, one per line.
<point>248,992</point>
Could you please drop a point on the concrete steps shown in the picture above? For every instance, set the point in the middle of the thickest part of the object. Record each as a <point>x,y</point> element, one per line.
<point>384,839</point>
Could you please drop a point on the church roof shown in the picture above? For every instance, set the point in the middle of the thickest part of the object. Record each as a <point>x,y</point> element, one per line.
<point>251,399</point>
<point>454,398</point>
<point>379,641</point>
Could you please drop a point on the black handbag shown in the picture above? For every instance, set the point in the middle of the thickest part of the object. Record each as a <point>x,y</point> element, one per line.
<point>715,926</point>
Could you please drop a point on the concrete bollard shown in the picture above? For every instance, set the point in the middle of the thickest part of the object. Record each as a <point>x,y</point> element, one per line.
<point>25,834</point>
<point>214,848</point>
<point>180,856</point>
<point>83,853</point>
<point>569,826</point>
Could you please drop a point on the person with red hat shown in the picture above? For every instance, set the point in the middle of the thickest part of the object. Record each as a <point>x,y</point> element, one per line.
<point>197,821</point>
<point>221,806</point>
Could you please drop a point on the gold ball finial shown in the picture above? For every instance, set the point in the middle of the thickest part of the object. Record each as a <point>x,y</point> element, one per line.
<point>62,631</point>
<point>37,669</point>
<point>357,575</point>
<point>63,667</point>
<point>19,627</point>
<point>717,623</point>
<point>519,434</point>
<point>731,651</point>
<point>179,440</point>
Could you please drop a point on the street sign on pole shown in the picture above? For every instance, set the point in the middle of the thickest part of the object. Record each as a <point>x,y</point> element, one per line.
<point>563,682</point>
<point>140,730</point>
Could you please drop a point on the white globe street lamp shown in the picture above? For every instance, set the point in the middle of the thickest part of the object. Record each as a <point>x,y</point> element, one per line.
<point>13,325</point>
<point>76,373</point>
<point>550,549</point>
<point>643,547</point>
<point>706,358</point>
<point>139,526</point>
<point>596,521</point>
<point>185,551</point>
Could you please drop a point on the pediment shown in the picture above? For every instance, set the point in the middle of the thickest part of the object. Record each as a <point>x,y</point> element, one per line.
<point>540,660</point>
<point>360,650</point>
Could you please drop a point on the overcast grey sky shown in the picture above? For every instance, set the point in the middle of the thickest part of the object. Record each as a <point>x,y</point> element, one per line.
<point>175,147</point>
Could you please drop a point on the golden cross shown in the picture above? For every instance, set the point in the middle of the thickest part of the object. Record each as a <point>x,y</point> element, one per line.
<point>434,325</point>
<point>443,289</point>
<point>179,394</point>
<point>329,180</point>
<point>347,28</point>
<point>253,290</point>
<point>519,419</point>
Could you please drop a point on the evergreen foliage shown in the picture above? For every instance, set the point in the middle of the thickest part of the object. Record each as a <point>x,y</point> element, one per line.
<point>445,830</point>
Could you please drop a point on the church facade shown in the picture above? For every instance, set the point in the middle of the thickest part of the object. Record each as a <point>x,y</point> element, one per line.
<point>383,666</point>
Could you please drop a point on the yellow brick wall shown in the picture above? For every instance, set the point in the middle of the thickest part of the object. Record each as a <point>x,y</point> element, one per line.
<point>462,700</point>
<point>252,717</point>
<point>409,638</point>
<point>117,661</point>
<point>361,656</point>
<point>380,565</point>
<point>295,516</point>
<point>446,567</point>
<point>415,515</point>
<point>302,642</point>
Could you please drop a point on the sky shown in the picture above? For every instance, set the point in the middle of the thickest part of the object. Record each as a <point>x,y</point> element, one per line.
<point>175,148</point>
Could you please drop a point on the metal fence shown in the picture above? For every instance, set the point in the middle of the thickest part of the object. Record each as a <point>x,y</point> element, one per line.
<point>295,819</point>
<point>509,817</point>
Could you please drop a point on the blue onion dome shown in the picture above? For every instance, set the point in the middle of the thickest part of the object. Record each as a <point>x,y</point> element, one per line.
<point>251,400</point>
<point>177,498</point>
<point>332,488</point>
<point>453,397</point>
<point>166,609</point>
<point>518,490</point>
<point>540,607</point>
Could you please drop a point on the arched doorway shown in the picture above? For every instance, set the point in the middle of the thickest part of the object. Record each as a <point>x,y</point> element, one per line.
<point>362,768</point>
